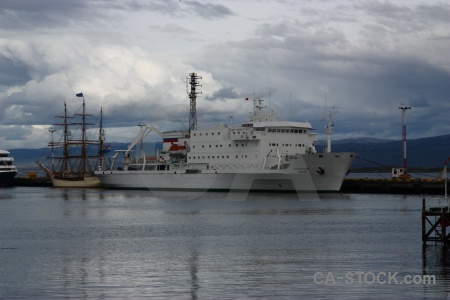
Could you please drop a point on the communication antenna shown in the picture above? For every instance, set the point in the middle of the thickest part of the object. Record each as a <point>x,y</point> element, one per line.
<point>324,88</point>
<point>194,83</point>
<point>403,107</point>
<point>329,128</point>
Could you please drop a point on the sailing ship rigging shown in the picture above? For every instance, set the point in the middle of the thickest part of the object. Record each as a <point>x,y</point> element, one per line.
<point>77,154</point>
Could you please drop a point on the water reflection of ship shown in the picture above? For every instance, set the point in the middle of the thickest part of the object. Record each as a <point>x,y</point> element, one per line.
<point>193,271</point>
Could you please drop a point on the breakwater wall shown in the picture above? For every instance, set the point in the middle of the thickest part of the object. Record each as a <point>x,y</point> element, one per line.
<point>29,181</point>
<point>353,185</point>
<point>393,186</point>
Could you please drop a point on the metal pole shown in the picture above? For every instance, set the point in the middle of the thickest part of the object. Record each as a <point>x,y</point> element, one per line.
<point>404,108</point>
<point>445,178</point>
<point>52,130</point>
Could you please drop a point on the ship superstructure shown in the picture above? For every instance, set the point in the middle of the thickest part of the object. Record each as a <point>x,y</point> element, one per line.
<point>7,168</point>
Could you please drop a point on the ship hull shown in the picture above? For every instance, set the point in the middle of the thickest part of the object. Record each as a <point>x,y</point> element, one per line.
<point>87,182</point>
<point>7,178</point>
<point>306,173</point>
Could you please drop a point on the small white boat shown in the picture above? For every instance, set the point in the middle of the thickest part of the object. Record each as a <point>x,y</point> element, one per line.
<point>7,168</point>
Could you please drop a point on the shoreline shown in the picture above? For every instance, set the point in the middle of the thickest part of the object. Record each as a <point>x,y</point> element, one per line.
<point>350,185</point>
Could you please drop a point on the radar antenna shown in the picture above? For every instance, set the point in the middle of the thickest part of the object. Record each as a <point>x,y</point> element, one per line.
<point>329,128</point>
<point>194,83</point>
<point>404,107</point>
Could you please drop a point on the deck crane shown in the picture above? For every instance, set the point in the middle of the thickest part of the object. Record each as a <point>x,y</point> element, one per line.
<point>145,130</point>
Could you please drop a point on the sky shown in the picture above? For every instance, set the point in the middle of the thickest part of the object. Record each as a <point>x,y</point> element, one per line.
<point>361,60</point>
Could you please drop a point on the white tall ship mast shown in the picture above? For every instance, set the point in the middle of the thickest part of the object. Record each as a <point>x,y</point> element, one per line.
<point>262,154</point>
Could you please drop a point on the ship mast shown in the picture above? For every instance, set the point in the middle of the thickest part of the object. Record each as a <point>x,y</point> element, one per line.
<point>100,139</point>
<point>65,125</point>
<point>329,130</point>
<point>193,82</point>
<point>84,155</point>
<point>52,144</point>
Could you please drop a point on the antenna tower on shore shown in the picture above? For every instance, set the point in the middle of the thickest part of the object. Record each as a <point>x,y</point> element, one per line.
<point>194,83</point>
<point>404,108</point>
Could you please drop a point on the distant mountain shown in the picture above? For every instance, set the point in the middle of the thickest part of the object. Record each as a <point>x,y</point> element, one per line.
<point>429,152</point>
<point>25,159</point>
<point>362,140</point>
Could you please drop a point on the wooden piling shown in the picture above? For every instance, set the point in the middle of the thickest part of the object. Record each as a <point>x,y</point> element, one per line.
<point>434,225</point>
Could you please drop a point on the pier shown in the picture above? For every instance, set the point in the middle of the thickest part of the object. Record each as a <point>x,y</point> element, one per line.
<point>32,181</point>
<point>435,220</point>
<point>393,186</point>
<point>357,185</point>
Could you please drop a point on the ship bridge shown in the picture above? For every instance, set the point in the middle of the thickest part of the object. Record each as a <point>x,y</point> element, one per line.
<point>254,131</point>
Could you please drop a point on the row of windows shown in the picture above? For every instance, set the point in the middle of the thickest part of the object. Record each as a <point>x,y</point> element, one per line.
<point>244,145</point>
<point>286,130</point>
<point>220,146</point>
<point>206,133</point>
<point>281,130</point>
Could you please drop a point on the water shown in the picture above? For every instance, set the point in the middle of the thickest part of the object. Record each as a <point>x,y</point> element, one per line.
<point>103,244</point>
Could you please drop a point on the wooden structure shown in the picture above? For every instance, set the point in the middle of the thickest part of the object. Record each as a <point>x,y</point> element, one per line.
<point>435,221</point>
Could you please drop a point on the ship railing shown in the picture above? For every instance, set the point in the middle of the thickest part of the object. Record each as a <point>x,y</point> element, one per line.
<point>240,137</point>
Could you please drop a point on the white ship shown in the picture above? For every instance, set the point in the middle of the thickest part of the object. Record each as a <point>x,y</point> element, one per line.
<point>7,168</point>
<point>262,154</point>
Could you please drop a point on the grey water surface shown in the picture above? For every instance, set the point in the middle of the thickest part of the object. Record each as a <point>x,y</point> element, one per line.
<point>112,244</point>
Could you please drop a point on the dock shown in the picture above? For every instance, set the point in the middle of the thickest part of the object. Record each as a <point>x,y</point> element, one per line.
<point>394,186</point>
<point>32,181</point>
<point>354,185</point>
<point>435,220</point>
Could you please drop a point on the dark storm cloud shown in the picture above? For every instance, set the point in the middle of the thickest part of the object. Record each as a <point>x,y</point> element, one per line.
<point>172,7</point>
<point>41,5</point>
<point>373,55</point>
<point>16,133</point>
<point>16,72</point>
<point>403,19</point>
<point>208,10</point>
<point>367,83</point>
<point>222,94</point>
<point>30,14</point>
<point>34,14</point>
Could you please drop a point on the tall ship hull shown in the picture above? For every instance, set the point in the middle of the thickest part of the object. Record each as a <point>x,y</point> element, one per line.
<point>262,154</point>
<point>7,169</point>
<point>87,182</point>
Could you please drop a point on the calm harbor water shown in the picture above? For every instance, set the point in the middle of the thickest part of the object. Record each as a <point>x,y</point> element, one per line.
<point>106,244</point>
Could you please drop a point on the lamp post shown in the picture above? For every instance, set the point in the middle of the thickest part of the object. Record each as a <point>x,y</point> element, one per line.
<point>404,108</point>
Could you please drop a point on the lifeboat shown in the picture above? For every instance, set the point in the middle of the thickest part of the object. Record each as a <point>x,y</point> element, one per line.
<point>177,151</point>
